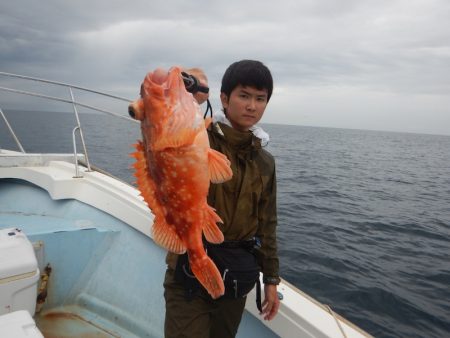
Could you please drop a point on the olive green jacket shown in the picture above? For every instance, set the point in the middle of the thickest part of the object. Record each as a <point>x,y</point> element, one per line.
<point>246,203</point>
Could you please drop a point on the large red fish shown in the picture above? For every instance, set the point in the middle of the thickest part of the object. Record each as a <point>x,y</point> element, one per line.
<point>174,168</point>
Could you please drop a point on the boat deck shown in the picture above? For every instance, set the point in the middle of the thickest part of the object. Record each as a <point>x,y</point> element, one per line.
<point>107,276</point>
<point>104,273</point>
<point>60,324</point>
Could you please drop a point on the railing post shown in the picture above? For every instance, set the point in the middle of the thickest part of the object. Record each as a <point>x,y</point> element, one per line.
<point>81,136</point>
<point>75,155</point>
<point>11,131</point>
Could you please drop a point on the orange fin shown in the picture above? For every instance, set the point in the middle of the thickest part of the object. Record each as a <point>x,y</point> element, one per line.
<point>182,138</point>
<point>144,182</point>
<point>180,130</point>
<point>163,233</point>
<point>210,229</point>
<point>208,275</point>
<point>219,167</point>
<point>166,236</point>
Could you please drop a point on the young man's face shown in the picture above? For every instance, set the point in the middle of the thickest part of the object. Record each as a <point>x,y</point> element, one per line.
<point>245,106</point>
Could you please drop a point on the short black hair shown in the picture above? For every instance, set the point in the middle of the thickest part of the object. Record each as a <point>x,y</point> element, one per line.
<point>247,73</point>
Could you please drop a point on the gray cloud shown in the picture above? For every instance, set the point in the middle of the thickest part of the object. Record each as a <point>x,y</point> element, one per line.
<point>359,64</point>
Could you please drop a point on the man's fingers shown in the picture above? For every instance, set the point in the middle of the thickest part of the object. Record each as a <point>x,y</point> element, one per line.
<point>270,310</point>
<point>271,302</point>
<point>273,311</point>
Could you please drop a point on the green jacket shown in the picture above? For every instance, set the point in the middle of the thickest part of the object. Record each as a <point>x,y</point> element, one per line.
<point>246,203</point>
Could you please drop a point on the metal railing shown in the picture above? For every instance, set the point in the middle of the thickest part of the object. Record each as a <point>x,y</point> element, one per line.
<point>71,101</point>
<point>11,131</point>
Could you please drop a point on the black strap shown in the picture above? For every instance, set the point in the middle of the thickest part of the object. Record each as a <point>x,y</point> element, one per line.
<point>248,244</point>
<point>208,109</point>
<point>258,295</point>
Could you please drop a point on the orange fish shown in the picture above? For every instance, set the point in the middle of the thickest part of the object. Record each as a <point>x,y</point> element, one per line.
<point>174,167</point>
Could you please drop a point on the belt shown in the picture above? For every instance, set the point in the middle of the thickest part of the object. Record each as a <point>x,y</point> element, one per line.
<point>246,244</point>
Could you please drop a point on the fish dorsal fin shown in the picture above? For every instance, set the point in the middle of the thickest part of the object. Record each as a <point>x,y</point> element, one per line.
<point>210,229</point>
<point>219,167</point>
<point>144,182</point>
<point>165,235</point>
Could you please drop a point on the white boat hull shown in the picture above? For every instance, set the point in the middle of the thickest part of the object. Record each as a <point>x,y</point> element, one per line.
<point>96,235</point>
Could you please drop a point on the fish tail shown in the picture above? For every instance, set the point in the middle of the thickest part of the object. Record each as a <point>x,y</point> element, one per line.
<point>208,275</point>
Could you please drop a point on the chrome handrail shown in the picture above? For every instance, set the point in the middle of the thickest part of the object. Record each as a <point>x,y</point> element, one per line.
<point>63,85</point>
<point>11,131</point>
<point>77,172</point>
<point>72,101</point>
<point>81,134</point>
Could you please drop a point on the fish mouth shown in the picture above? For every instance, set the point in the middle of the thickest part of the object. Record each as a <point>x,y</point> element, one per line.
<point>156,78</point>
<point>159,76</point>
<point>167,83</point>
<point>165,78</point>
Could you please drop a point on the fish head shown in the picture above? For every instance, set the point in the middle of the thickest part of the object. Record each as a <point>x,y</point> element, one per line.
<point>162,92</point>
<point>165,107</point>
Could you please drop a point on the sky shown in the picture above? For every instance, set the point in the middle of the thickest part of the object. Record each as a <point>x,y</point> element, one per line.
<point>360,64</point>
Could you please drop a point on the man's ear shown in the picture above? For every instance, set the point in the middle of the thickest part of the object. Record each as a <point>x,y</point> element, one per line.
<point>224,100</point>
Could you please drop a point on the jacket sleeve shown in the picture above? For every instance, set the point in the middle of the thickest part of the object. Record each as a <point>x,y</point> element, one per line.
<point>267,219</point>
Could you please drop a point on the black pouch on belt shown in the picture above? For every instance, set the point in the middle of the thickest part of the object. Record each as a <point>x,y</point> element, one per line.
<point>185,276</point>
<point>236,263</point>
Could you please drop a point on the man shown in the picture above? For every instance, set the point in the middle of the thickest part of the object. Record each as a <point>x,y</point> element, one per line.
<point>246,204</point>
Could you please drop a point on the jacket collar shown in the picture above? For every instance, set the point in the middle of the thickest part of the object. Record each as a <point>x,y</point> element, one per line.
<point>219,116</point>
<point>244,140</point>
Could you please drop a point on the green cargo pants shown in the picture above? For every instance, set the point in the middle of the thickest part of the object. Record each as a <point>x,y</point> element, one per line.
<point>201,317</point>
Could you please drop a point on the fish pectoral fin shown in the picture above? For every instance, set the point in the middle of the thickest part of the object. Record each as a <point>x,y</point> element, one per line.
<point>176,139</point>
<point>219,167</point>
<point>178,131</point>
<point>165,235</point>
<point>210,229</point>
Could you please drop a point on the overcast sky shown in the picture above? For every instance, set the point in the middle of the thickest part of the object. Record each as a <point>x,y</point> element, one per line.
<point>366,64</point>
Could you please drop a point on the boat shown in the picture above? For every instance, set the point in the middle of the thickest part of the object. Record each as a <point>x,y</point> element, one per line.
<point>76,254</point>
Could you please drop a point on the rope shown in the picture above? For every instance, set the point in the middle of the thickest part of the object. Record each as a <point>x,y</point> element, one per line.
<point>337,321</point>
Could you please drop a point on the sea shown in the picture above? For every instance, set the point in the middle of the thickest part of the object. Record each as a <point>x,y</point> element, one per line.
<point>364,216</point>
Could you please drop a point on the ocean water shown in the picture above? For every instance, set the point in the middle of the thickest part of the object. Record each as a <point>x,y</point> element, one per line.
<point>364,216</point>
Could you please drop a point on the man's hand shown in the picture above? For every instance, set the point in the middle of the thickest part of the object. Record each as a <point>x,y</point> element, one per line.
<point>271,302</point>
